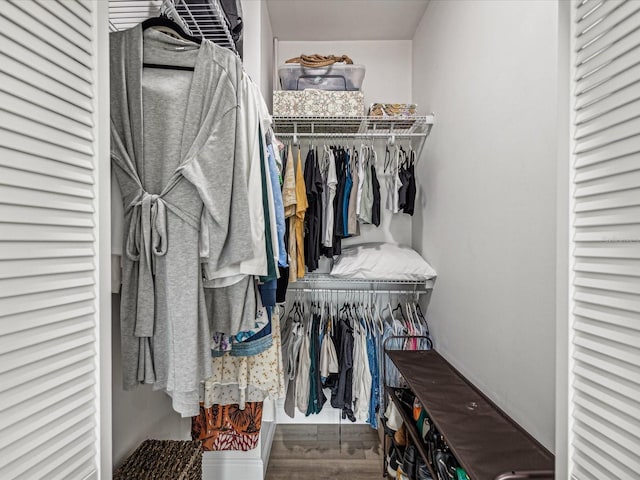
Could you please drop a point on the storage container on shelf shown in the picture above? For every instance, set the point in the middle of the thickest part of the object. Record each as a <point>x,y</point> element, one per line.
<point>339,76</point>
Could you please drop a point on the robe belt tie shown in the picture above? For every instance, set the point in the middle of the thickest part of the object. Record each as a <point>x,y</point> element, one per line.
<point>147,229</point>
<point>147,239</point>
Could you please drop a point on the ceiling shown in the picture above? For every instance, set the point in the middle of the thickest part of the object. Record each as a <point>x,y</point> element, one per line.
<point>345,19</point>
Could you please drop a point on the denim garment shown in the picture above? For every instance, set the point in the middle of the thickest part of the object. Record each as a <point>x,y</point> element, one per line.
<point>255,346</point>
<point>375,380</point>
<point>279,207</point>
<point>268,293</point>
<point>248,343</point>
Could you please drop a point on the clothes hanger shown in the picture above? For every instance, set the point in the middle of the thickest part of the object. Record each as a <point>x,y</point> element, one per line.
<point>169,27</point>
<point>399,308</point>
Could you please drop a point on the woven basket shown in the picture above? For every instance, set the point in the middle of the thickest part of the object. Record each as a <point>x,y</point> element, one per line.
<point>163,460</point>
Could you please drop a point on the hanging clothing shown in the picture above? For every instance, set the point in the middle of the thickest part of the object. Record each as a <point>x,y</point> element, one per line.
<point>313,216</point>
<point>361,374</point>
<point>274,176</point>
<point>405,180</point>
<point>296,225</point>
<point>175,169</point>
<point>342,390</point>
<point>270,238</point>
<point>289,185</point>
<point>330,182</point>
<point>347,195</point>
<point>375,206</point>
<point>302,376</point>
<point>372,355</point>
<point>361,178</point>
<point>328,357</point>
<point>251,158</point>
<point>410,202</point>
<point>340,193</point>
<point>393,183</point>
<point>235,306</point>
<point>228,427</point>
<point>249,378</point>
<point>317,398</point>
<point>353,227</point>
<point>289,199</point>
<point>366,200</point>
<point>291,343</point>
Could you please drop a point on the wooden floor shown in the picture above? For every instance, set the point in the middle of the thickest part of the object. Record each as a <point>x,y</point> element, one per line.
<point>315,452</point>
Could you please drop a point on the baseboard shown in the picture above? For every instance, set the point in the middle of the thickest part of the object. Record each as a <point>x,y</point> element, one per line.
<point>249,465</point>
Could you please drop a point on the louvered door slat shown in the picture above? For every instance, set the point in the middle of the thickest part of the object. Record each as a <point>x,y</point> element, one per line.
<point>13,139</point>
<point>77,9</point>
<point>586,8</point>
<point>606,56</point>
<point>605,351</point>
<point>65,14</point>
<point>32,75</point>
<point>24,162</point>
<point>46,100</point>
<point>612,13</point>
<point>71,44</point>
<point>48,240</point>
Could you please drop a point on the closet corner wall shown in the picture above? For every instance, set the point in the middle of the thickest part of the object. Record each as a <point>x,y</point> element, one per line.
<point>489,218</point>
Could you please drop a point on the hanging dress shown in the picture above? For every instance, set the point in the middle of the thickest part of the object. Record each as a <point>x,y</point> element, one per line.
<point>172,151</point>
<point>393,183</point>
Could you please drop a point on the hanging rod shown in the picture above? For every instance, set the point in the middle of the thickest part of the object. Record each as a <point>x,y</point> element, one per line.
<point>351,135</point>
<point>383,292</point>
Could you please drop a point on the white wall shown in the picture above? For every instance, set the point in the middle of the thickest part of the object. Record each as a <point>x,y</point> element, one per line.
<point>563,182</point>
<point>387,79</point>
<point>251,13</point>
<point>388,64</point>
<point>140,413</point>
<point>266,54</point>
<point>488,69</point>
<point>258,45</point>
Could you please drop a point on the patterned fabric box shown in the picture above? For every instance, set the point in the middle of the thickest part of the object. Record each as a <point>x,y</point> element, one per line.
<point>393,109</point>
<point>317,103</point>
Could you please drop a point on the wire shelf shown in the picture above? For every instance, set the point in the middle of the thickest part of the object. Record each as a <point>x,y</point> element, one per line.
<point>204,18</point>
<point>328,283</point>
<point>361,127</point>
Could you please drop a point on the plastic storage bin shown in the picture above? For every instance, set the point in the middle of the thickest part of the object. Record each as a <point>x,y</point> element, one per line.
<point>336,77</point>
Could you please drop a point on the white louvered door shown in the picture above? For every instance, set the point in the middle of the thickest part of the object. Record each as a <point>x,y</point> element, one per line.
<point>49,295</point>
<point>604,388</point>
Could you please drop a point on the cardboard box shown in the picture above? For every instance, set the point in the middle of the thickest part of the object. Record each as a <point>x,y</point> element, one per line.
<point>317,103</point>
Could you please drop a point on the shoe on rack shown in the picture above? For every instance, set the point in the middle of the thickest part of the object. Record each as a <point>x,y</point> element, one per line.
<point>400,475</point>
<point>393,460</point>
<point>400,437</point>
<point>422,471</point>
<point>409,461</point>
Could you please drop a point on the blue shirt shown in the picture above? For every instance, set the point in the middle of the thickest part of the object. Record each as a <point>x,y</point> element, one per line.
<point>279,207</point>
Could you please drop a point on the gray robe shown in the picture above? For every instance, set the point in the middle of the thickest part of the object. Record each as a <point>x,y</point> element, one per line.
<point>172,151</point>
